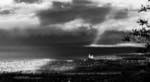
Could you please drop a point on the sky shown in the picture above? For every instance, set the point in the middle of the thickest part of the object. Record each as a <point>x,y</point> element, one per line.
<point>71,22</point>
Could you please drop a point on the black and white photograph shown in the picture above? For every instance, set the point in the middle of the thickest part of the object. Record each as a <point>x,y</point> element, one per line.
<point>74,40</point>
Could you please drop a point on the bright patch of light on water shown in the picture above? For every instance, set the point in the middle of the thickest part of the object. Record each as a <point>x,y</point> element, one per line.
<point>109,57</point>
<point>25,65</point>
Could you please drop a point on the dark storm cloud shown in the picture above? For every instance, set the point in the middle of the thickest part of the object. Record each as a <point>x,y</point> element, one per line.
<point>121,14</point>
<point>27,1</point>
<point>5,12</point>
<point>81,2</point>
<point>60,5</point>
<point>67,12</point>
<point>111,37</point>
<point>75,3</point>
<point>46,37</point>
<point>43,36</point>
<point>62,12</point>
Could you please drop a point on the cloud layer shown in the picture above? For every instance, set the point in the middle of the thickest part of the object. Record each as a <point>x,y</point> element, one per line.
<point>73,18</point>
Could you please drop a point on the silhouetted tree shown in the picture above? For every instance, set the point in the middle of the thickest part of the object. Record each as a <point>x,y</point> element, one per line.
<point>143,34</point>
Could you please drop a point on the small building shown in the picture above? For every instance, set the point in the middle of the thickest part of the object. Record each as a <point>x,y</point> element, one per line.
<point>90,56</point>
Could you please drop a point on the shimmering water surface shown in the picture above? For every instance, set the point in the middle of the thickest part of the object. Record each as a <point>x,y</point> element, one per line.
<point>22,65</point>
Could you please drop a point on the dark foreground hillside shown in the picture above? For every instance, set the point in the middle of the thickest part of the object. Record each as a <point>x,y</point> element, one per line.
<point>126,68</point>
